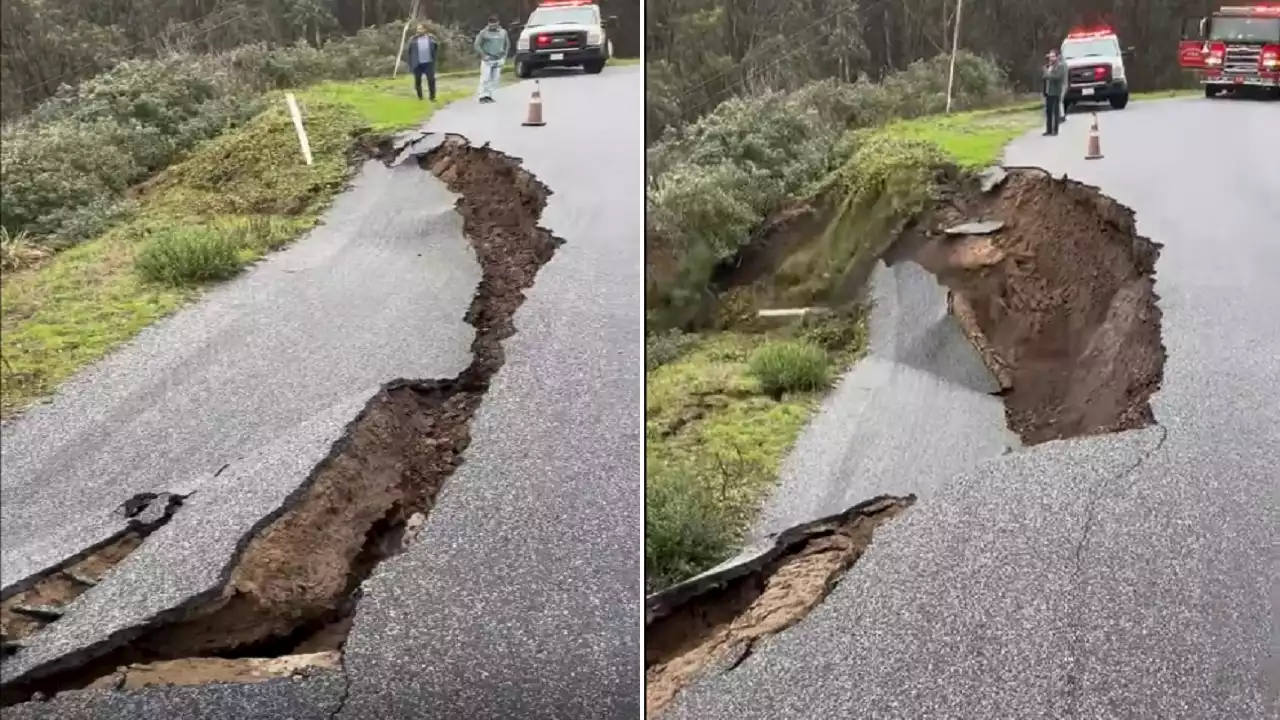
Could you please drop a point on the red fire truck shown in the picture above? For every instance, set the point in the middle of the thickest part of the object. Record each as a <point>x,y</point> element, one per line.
<point>1236,48</point>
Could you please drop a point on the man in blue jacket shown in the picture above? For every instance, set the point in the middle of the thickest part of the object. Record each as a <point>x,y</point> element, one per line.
<point>421,57</point>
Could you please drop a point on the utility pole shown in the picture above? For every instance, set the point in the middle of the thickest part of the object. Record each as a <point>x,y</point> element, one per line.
<point>955,45</point>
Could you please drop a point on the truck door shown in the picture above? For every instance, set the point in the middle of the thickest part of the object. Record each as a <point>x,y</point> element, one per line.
<point>1191,49</point>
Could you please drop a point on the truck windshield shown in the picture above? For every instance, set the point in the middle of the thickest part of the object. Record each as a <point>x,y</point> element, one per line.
<point>1097,47</point>
<point>1249,30</point>
<point>581,15</point>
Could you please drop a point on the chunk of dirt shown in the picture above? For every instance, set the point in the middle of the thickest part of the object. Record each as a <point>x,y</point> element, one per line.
<point>718,629</point>
<point>206,671</point>
<point>296,582</point>
<point>1060,303</point>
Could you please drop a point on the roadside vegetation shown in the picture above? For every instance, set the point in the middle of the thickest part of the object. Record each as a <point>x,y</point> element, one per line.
<point>125,195</point>
<point>778,173</point>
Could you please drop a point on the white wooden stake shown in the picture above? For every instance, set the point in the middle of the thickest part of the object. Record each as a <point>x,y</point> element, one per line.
<point>955,45</point>
<point>297,125</point>
<point>404,34</point>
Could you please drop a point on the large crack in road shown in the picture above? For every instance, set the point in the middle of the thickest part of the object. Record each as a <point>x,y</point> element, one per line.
<point>1055,289</point>
<point>716,623</point>
<point>292,590</point>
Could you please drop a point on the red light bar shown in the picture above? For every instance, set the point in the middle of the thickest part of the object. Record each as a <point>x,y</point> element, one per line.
<point>1082,33</point>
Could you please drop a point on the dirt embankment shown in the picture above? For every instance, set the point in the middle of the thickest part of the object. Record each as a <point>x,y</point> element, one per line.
<point>293,589</point>
<point>1059,298</point>
<point>718,628</point>
<point>1057,293</point>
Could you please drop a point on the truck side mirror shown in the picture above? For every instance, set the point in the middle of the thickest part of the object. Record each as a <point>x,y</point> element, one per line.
<point>611,21</point>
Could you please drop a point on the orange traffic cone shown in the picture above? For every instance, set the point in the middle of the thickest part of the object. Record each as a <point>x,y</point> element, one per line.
<point>534,118</point>
<point>1094,151</point>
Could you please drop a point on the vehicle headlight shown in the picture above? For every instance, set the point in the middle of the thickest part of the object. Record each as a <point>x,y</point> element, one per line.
<point>594,37</point>
<point>522,43</point>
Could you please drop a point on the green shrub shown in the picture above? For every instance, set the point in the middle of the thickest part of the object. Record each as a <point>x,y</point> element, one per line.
<point>665,347</point>
<point>840,334</point>
<point>790,366</point>
<point>688,528</point>
<point>189,256</point>
<point>62,177</point>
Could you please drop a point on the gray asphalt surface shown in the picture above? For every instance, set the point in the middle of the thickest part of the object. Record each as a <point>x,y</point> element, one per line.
<point>1127,576</point>
<point>370,296</point>
<point>920,372</point>
<point>519,596</point>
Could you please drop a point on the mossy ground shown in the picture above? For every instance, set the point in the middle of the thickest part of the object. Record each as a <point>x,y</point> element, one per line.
<point>249,184</point>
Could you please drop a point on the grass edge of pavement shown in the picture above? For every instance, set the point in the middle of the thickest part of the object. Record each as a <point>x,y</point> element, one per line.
<point>77,306</point>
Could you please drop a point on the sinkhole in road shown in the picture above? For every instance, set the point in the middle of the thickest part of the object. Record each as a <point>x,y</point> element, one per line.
<point>715,622</point>
<point>1056,290</point>
<point>290,594</point>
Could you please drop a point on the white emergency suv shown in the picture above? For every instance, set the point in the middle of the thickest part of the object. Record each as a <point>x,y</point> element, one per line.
<point>564,33</point>
<point>1095,68</point>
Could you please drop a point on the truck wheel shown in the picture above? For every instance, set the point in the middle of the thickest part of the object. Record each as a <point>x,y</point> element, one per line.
<point>523,70</point>
<point>1118,102</point>
<point>1211,91</point>
<point>593,66</point>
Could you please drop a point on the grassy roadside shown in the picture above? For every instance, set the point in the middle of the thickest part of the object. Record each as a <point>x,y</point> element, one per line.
<point>714,437</point>
<point>234,199</point>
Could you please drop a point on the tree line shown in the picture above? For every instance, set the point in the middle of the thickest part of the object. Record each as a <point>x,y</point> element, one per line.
<point>46,43</point>
<point>701,51</point>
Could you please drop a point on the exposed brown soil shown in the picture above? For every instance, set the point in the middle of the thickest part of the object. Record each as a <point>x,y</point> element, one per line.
<point>61,587</point>
<point>1060,302</point>
<point>204,671</point>
<point>295,585</point>
<point>718,628</point>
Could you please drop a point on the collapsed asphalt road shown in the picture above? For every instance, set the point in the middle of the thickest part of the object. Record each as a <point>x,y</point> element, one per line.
<point>1129,574</point>
<point>516,596</point>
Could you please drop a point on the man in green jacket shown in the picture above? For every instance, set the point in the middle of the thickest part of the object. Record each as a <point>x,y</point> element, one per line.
<point>491,45</point>
<point>1055,84</point>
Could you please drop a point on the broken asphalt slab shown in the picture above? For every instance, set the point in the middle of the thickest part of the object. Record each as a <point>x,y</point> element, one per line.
<point>922,373</point>
<point>377,292</point>
<point>911,630</point>
<point>189,558</point>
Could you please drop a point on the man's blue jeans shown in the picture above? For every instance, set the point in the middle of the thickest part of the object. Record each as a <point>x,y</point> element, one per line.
<point>1052,106</point>
<point>490,74</point>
